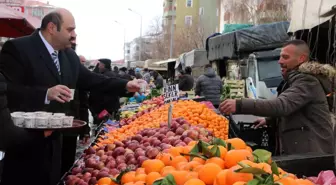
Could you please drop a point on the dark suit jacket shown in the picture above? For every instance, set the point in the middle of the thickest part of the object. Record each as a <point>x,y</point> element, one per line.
<point>30,71</point>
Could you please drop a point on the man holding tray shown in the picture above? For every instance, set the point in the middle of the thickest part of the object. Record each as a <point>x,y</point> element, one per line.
<point>41,69</point>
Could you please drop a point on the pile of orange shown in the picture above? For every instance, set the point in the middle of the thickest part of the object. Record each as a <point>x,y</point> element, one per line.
<point>213,171</point>
<point>195,113</point>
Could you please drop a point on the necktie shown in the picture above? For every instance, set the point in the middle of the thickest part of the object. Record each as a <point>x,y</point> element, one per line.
<point>54,57</point>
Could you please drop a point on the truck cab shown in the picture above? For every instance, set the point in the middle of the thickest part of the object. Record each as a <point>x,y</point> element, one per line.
<point>263,74</point>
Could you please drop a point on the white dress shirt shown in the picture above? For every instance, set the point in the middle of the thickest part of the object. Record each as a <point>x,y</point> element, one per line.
<point>51,51</point>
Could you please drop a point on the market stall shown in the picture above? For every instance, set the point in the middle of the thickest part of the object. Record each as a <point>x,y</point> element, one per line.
<point>169,141</point>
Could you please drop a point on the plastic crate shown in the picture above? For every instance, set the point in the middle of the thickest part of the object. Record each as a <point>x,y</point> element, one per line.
<point>263,138</point>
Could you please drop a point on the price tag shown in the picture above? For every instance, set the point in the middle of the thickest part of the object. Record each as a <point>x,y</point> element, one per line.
<point>170,115</point>
<point>171,93</point>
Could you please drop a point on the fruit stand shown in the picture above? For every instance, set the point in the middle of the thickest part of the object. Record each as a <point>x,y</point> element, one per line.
<point>191,146</point>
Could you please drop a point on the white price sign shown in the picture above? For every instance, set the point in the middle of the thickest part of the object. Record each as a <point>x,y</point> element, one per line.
<point>171,93</point>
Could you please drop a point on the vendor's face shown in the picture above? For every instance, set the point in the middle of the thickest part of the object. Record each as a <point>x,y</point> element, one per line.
<point>66,35</point>
<point>289,58</point>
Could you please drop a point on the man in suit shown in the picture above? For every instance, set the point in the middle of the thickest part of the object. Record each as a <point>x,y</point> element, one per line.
<point>40,70</point>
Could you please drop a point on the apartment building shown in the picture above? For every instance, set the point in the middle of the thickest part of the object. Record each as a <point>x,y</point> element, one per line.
<point>199,14</point>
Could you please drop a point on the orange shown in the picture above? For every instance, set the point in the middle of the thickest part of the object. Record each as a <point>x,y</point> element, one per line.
<point>222,151</point>
<point>303,182</point>
<point>194,182</point>
<point>221,178</point>
<point>200,160</point>
<point>198,168</point>
<point>239,183</point>
<point>166,170</point>
<point>287,181</point>
<point>104,180</point>
<point>233,176</point>
<point>191,165</point>
<point>248,162</point>
<point>180,177</point>
<point>178,159</point>
<point>175,151</point>
<point>237,143</point>
<point>140,171</point>
<point>140,183</point>
<point>153,165</point>
<point>216,160</point>
<point>152,177</point>
<point>140,177</point>
<point>264,166</point>
<point>234,156</point>
<point>166,158</point>
<point>208,173</point>
<point>181,165</point>
<point>186,150</point>
<point>192,143</point>
<point>128,177</point>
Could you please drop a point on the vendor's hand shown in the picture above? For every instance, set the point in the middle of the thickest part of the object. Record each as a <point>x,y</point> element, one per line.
<point>48,133</point>
<point>85,139</point>
<point>261,122</point>
<point>228,106</point>
<point>59,93</point>
<point>134,85</point>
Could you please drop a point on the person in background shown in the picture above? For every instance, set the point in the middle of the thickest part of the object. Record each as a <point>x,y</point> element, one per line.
<point>99,101</point>
<point>146,75</point>
<point>302,109</point>
<point>116,70</point>
<point>131,72</point>
<point>186,81</point>
<point>209,85</point>
<point>123,74</point>
<point>138,73</point>
<point>158,80</point>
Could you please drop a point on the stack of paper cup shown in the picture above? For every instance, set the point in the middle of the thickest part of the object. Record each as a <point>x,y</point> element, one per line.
<point>18,118</point>
<point>67,121</point>
<point>42,122</point>
<point>56,121</point>
<point>29,121</point>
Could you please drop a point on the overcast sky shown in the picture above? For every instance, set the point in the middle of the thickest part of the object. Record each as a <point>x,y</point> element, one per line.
<point>98,34</point>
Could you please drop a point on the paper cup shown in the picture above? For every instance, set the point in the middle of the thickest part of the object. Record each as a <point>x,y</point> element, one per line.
<point>72,94</point>
<point>59,115</point>
<point>18,113</point>
<point>42,122</point>
<point>40,113</point>
<point>29,122</point>
<point>29,114</point>
<point>56,122</point>
<point>18,120</point>
<point>67,121</point>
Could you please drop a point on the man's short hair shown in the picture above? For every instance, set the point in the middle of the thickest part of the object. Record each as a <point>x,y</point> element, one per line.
<point>52,17</point>
<point>300,44</point>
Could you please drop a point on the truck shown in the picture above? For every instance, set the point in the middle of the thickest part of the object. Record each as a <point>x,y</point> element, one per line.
<point>256,51</point>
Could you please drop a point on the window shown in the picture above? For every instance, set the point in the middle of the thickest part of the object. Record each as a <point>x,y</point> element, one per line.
<point>189,3</point>
<point>188,20</point>
<point>201,11</point>
<point>269,69</point>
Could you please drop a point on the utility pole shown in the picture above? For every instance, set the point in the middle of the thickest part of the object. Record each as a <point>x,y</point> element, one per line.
<point>172,28</point>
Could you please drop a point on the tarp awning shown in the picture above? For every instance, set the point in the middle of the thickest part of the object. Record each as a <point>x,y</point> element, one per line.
<point>166,61</point>
<point>306,13</point>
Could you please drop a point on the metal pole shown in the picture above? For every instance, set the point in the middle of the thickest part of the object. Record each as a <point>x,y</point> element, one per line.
<point>172,27</point>
<point>140,40</point>
<point>140,44</point>
<point>124,38</point>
